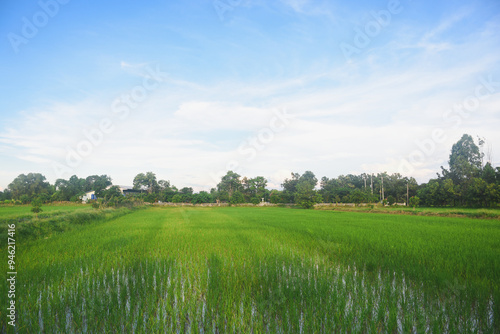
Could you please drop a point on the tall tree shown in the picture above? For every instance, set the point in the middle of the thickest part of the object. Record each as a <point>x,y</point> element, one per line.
<point>488,174</point>
<point>5,195</point>
<point>228,185</point>
<point>305,195</point>
<point>97,183</point>
<point>465,160</point>
<point>257,187</point>
<point>290,188</point>
<point>186,194</point>
<point>31,186</point>
<point>67,190</point>
<point>147,181</point>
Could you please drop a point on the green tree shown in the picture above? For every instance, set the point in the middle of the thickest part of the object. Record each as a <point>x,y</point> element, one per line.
<point>431,194</point>
<point>177,198</point>
<point>488,174</point>
<point>97,183</point>
<point>36,206</point>
<point>5,195</point>
<point>255,200</point>
<point>202,197</point>
<point>465,160</point>
<point>492,194</point>
<point>147,181</point>
<point>290,188</point>
<point>167,192</point>
<point>476,193</point>
<point>450,191</point>
<point>25,199</point>
<point>237,198</point>
<point>229,184</point>
<point>187,194</point>
<point>66,189</point>
<point>276,197</point>
<point>391,200</point>
<point>162,185</point>
<point>31,185</point>
<point>358,196</point>
<point>305,195</point>
<point>111,192</point>
<point>254,188</point>
<point>414,201</point>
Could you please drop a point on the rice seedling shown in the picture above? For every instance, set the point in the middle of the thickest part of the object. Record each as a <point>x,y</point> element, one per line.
<point>261,270</point>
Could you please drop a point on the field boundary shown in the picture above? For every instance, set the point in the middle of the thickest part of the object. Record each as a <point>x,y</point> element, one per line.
<point>32,227</point>
<point>434,212</point>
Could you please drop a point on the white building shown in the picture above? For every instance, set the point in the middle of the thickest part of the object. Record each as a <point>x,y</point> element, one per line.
<point>90,195</point>
<point>125,190</point>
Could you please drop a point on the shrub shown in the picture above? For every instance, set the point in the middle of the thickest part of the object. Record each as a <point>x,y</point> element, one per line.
<point>414,201</point>
<point>237,198</point>
<point>24,199</point>
<point>177,198</point>
<point>255,200</point>
<point>36,206</point>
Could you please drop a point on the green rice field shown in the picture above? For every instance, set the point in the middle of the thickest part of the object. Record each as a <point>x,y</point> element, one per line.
<point>18,210</point>
<point>257,270</point>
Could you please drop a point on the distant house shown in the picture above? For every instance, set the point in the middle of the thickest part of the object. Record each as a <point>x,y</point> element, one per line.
<point>89,195</point>
<point>125,190</point>
<point>128,190</point>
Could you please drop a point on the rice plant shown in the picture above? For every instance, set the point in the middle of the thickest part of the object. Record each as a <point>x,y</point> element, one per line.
<point>261,270</point>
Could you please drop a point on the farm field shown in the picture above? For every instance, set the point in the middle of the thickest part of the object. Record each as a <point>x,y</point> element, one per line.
<point>420,211</point>
<point>260,270</point>
<point>17,210</point>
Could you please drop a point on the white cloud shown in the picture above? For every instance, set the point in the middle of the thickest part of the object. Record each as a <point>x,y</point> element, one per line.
<point>361,116</point>
<point>206,115</point>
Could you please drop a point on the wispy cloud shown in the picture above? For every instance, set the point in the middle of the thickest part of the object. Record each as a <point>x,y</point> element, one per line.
<point>227,80</point>
<point>447,23</point>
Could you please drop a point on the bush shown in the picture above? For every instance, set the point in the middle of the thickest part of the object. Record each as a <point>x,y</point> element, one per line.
<point>76,199</point>
<point>237,198</point>
<point>25,199</point>
<point>414,201</point>
<point>36,206</point>
<point>36,210</point>
<point>255,200</point>
<point>177,198</point>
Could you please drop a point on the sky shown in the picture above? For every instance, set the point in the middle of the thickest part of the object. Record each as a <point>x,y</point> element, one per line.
<point>191,89</point>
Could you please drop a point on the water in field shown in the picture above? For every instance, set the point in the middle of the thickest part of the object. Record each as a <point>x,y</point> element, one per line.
<point>279,295</point>
<point>175,273</point>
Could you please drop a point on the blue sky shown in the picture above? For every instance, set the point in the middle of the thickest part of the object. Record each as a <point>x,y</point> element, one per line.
<point>190,89</point>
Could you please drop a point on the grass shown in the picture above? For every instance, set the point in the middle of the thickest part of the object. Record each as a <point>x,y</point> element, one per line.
<point>493,213</point>
<point>45,224</point>
<point>261,270</point>
<point>7,211</point>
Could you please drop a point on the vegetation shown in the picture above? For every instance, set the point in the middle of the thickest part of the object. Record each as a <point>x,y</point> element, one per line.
<point>266,270</point>
<point>414,201</point>
<point>36,207</point>
<point>467,183</point>
<point>32,223</point>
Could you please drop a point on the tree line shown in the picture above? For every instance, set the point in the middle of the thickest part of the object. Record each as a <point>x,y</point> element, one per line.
<point>466,182</point>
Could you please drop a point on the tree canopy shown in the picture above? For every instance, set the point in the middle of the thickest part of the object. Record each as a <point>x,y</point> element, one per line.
<point>31,185</point>
<point>147,181</point>
<point>466,182</point>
